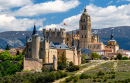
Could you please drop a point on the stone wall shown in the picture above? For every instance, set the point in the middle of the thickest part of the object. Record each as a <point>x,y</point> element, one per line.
<point>31,64</point>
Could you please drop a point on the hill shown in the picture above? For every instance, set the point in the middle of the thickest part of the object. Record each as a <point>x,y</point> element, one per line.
<point>121,34</point>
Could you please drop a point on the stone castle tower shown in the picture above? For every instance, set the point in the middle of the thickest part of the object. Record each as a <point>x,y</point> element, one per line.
<point>85,30</point>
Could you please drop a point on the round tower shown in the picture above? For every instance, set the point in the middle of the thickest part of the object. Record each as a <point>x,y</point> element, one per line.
<point>35,44</point>
<point>85,29</point>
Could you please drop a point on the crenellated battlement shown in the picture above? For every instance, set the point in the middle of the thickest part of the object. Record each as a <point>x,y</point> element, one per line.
<point>55,35</point>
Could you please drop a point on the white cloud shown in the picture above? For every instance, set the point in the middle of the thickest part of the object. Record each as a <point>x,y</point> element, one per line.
<point>110,16</point>
<point>7,4</point>
<point>47,7</point>
<point>8,23</point>
<point>110,2</point>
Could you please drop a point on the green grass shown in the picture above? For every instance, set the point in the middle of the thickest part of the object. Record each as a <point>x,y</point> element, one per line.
<point>122,72</point>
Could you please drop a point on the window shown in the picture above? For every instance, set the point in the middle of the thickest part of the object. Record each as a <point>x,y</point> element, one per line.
<point>85,27</point>
<point>82,27</point>
<point>29,49</point>
<point>67,39</point>
<point>63,52</point>
<point>67,43</point>
<point>58,52</point>
<point>82,36</point>
<point>41,49</point>
<point>85,36</point>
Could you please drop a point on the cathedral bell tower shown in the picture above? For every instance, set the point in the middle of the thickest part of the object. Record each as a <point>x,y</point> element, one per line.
<point>85,29</point>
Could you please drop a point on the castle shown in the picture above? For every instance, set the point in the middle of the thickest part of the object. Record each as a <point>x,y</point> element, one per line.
<point>41,53</point>
<point>44,52</point>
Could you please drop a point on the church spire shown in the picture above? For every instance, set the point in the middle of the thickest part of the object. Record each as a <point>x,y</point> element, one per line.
<point>34,30</point>
<point>85,9</point>
<point>112,37</point>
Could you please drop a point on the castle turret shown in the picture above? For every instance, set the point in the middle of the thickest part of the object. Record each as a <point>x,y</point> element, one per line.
<point>35,44</point>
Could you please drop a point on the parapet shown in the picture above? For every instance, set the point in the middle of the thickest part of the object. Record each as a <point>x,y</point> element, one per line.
<point>54,30</point>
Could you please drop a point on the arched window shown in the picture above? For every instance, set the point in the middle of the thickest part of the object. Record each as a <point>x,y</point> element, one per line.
<point>82,27</point>
<point>67,39</point>
<point>85,27</point>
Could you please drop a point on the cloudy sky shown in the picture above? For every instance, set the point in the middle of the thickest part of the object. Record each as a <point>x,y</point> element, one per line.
<point>20,15</point>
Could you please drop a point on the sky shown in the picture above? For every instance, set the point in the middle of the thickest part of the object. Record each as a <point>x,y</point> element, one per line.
<point>20,15</point>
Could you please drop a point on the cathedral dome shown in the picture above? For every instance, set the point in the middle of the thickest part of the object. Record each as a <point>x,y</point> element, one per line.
<point>85,13</point>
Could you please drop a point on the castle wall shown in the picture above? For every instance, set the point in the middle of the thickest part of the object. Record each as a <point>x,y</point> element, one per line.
<point>52,52</point>
<point>31,64</point>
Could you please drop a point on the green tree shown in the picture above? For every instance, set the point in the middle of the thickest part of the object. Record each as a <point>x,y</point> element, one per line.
<point>94,55</point>
<point>5,55</point>
<point>83,57</point>
<point>125,58</point>
<point>23,52</point>
<point>17,52</point>
<point>63,59</point>
<point>119,56</point>
<point>7,47</point>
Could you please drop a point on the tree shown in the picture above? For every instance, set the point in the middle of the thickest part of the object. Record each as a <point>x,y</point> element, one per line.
<point>7,47</point>
<point>63,59</point>
<point>94,55</point>
<point>83,57</point>
<point>17,52</point>
<point>71,63</point>
<point>5,55</point>
<point>125,58</point>
<point>119,56</point>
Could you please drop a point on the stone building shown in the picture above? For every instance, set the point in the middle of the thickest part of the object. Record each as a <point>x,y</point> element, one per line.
<point>38,54</point>
<point>88,41</point>
<point>57,36</point>
<point>42,53</point>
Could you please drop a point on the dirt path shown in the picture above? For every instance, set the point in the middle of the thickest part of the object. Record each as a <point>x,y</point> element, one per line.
<point>83,70</point>
<point>115,66</point>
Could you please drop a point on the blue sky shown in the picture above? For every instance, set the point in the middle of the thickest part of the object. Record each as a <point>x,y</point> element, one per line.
<point>20,15</point>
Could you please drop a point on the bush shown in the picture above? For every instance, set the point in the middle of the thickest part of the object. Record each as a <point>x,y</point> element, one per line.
<point>100,73</point>
<point>125,58</point>
<point>58,75</point>
<point>52,69</point>
<point>105,80</point>
<point>61,66</point>
<point>51,77</point>
<point>84,76</point>
<point>99,80</point>
<point>73,68</point>
<point>76,79</point>
<point>94,80</point>
<point>113,77</point>
<point>71,63</point>
<point>69,79</point>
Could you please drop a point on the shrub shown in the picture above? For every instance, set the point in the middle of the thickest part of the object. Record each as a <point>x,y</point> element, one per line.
<point>52,69</point>
<point>73,68</point>
<point>113,77</point>
<point>51,77</point>
<point>99,80</point>
<point>105,80</point>
<point>58,75</point>
<point>75,79</point>
<point>69,79</point>
<point>100,73</point>
<point>61,66</point>
<point>125,58</point>
<point>94,80</point>
<point>82,76</point>
<point>71,63</point>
